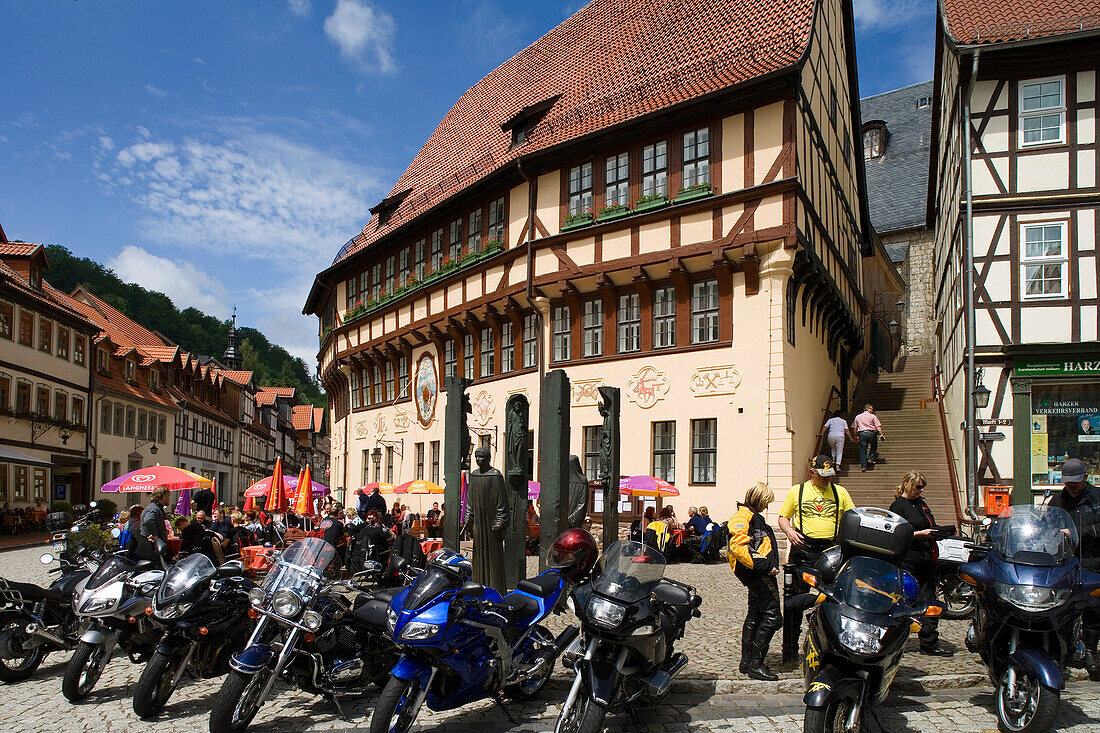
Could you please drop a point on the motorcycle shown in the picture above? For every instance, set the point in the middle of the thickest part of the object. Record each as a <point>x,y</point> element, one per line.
<point>462,641</point>
<point>307,633</point>
<point>959,598</point>
<point>114,599</point>
<point>631,617</point>
<point>202,609</point>
<point>1031,590</point>
<point>35,621</point>
<point>855,639</point>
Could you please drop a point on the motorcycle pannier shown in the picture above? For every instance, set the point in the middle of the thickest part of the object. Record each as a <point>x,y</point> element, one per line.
<point>58,521</point>
<point>874,532</point>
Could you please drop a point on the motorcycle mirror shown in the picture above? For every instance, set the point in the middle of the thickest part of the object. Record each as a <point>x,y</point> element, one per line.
<point>46,558</point>
<point>162,547</point>
<point>472,588</point>
<point>231,568</point>
<point>116,532</point>
<point>91,505</point>
<point>986,522</point>
<point>400,563</point>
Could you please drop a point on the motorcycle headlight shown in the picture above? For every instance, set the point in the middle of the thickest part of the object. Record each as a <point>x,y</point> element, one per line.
<point>1032,597</point>
<point>391,620</point>
<point>286,603</point>
<point>860,637</point>
<point>92,605</point>
<point>605,613</point>
<point>311,620</point>
<point>172,610</point>
<point>418,630</point>
<point>257,597</point>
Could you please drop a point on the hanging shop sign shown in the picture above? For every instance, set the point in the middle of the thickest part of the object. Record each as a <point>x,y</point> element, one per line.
<point>1058,368</point>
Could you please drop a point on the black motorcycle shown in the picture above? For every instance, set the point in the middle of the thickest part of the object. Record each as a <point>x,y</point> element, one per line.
<point>204,613</point>
<point>631,617</point>
<point>854,641</point>
<point>326,637</point>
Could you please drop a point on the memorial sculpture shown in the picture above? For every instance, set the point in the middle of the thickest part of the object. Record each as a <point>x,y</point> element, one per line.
<point>609,462</point>
<point>486,518</point>
<point>578,494</point>
<point>516,415</point>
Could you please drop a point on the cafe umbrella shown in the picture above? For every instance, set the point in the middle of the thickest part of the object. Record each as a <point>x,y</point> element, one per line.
<point>147,479</point>
<point>646,486</point>
<point>419,487</point>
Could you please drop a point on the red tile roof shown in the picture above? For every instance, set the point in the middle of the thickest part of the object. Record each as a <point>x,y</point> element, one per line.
<point>302,417</point>
<point>138,391</point>
<point>47,296</point>
<point>239,377</point>
<point>972,22</point>
<point>17,249</point>
<point>267,395</point>
<point>131,332</point>
<point>611,62</point>
<point>318,419</point>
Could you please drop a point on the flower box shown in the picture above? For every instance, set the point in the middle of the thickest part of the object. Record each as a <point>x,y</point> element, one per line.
<point>615,212</point>
<point>694,192</point>
<point>651,204</point>
<point>577,222</point>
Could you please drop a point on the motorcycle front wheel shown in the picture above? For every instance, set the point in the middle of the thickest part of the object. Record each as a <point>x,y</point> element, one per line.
<point>583,716</point>
<point>391,713</point>
<point>959,599</point>
<point>831,719</point>
<point>17,668</point>
<point>1031,710</point>
<point>237,702</point>
<point>154,687</point>
<point>84,670</point>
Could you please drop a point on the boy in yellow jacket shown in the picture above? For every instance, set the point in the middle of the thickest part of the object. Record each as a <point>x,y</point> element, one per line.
<point>755,561</point>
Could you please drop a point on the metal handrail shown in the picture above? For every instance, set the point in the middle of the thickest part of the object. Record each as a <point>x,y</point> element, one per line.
<point>960,516</point>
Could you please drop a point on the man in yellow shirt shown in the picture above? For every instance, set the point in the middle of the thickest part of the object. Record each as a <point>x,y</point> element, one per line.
<point>810,517</point>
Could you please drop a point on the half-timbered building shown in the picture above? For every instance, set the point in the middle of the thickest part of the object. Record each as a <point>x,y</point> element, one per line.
<point>1015,105</point>
<point>667,197</point>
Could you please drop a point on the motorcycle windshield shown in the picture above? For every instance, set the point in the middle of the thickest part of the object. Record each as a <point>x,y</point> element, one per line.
<point>106,572</point>
<point>183,576</point>
<point>429,584</point>
<point>1034,535</point>
<point>630,571</point>
<point>300,568</point>
<point>870,585</point>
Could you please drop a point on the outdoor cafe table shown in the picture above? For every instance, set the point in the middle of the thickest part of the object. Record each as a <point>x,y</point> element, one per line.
<point>174,545</point>
<point>677,537</point>
<point>256,557</point>
<point>430,545</point>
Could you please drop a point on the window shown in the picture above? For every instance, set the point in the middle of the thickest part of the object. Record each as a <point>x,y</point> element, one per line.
<point>496,219</point>
<point>22,397</point>
<point>19,488</point>
<point>42,401</point>
<point>402,377</point>
<point>403,266</point>
<point>389,464</point>
<point>142,424</point>
<point>487,345</point>
<point>592,326</point>
<point>5,391</point>
<point>704,312</point>
<point>704,451</point>
<point>450,360</point>
<point>1043,260</point>
<point>60,405</point>
<point>366,467</point>
<point>435,461</point>
<point>45,334</point>
<point>832,104</point>
<point>351,292</point>
<point>419,460</point>
<point>7,318</point>
<point>664,317</point>
<point>1042,112</point>
<point>696,158</point>
<point>154,381</point>
<point>120,421</point>
<point>655,169</point>
<point>389,381</point>
<point>580,189</point>
<point>419,262</point>
<point>26,328</point>
<point>39,484</point>
<point>437,249</point>
<point>874,141</point>
<point>473,231</point>
<point>562,335</point>
<point>4,482</point>
<point>630,323</point>
<point>530,340</point>
<point>1068,427</point>
<point>468,356</point>
<point>454,241</point>
<point>664,450</point>
<point>105,472</point>
<point>355,404</point>
<point>377,384</point>
<point>162,429</point>
<point>507,347</point>
<point>101,361</point>
<point>376,281</point>
<point>391,274</point>
<point>63,342</point>
<point>592,452</point>
<point>617,180</point>
<point>131,370</point>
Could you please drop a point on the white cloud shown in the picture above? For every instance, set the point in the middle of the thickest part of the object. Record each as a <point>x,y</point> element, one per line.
<point>159,93</point>
<point>490,31</point>
<point>300,8</point>
<point>106,143</point>
<point>185,284</point>
<point>278,314</point>
<point>363,34</point>
<point>889,14</point>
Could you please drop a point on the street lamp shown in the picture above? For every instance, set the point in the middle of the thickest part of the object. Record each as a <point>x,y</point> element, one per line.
<point>981,396</point>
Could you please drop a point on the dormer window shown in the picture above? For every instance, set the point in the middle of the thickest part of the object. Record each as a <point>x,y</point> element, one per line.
<point>154,381</point>
<point>36,278</point>
<point>874,140</point>
<point>131,370</point>
<point>524,121</point>
<point>923,102</point>
<point>101,361</point>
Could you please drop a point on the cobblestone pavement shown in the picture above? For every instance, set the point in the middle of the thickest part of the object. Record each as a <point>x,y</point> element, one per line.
<point>37,704</point>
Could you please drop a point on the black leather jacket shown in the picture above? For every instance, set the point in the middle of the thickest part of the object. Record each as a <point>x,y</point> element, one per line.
<point>1085,511</point>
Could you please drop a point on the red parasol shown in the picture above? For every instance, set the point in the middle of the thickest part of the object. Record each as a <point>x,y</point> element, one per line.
<point>147,479</point>
<point>303,502</point>
<point>276,494</point>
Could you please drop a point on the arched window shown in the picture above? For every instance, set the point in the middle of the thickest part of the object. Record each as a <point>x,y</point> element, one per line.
<point>874,139</point>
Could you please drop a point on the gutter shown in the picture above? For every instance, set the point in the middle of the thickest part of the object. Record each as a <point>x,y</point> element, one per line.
<point>971,336</point>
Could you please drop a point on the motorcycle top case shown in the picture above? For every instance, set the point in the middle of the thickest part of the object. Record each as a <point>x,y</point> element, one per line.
<point>58,521</point>
<point>874,532</point>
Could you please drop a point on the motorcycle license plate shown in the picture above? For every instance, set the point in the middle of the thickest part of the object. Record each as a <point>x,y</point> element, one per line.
<point>954,550</point>
<point>59,546</point>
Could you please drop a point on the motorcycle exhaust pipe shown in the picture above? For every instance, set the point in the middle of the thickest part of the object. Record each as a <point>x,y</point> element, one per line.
<point>551,653</point>
<point>661,680</point>
<point>36,631</point>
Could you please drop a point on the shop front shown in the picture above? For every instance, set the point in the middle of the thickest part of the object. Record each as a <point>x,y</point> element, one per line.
<point>1058,399</point>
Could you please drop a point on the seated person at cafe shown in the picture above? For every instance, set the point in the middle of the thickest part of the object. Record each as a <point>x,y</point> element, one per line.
<point>190,534</point>
<point>696,523</point>
<point>433,517</point>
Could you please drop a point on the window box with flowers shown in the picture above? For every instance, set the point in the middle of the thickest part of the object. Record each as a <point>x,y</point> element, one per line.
<point>613,211</point>
<point>447,265</point>
<point>412,283</point>
<point>468,259</point>
<point>699,190</point>
<point>650,201</point>
<point>493,246</point>
<point>578,220</point>
<point>355,311</point>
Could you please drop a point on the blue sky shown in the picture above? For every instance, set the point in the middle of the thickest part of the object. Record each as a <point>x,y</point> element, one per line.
<point>223,152</point>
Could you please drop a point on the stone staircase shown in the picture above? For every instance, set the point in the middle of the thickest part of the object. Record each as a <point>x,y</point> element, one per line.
<point>914,439</point>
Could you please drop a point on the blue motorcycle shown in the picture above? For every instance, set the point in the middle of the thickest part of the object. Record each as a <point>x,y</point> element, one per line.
<point>1031,590</point>
<point>462,641</point>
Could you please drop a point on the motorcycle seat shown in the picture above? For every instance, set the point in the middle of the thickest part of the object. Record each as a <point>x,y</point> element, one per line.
<point>539,586</point>
<point>35,592</point>
<point>385,594</point>
<point>673,595</point>
<point>142,565</point>
<point>516,607</point>
<point>372,613</point>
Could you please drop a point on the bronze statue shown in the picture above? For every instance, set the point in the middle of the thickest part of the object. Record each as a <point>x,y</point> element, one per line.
<point>609,462</point>
<point>486,518</point>
<point>578,493</point>
<point>515,427</point>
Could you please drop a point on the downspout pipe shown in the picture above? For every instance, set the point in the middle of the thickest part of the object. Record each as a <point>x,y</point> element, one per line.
<point>541,304</point>
<point>971,331</point>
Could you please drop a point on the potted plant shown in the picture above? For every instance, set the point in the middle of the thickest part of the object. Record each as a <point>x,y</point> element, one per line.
<point>575,221</point>
<point>447,265</point>
<point>614,210</point>
<point>494,245</point>
<point>693,192</point>
<point>651,201</point>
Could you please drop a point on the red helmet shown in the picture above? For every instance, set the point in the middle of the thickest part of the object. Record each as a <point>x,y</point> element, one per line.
<point>573,554</point>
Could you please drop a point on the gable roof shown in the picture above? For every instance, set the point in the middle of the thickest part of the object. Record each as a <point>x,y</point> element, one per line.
<point>239,377</point>
<point>17,249</point>
<point>609,67</point>
<point>302,417</point>
<point>47,296</point>
<point>897,181</point>
<point>121,329</point>
<point>972,22</point>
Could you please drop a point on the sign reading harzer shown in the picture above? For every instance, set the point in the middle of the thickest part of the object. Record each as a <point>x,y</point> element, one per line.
<point>1053,368</point>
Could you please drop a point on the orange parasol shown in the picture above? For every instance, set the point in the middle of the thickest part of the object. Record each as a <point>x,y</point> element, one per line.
<point>276,494</point>
<point>420,487</point>
<point>303,502</point>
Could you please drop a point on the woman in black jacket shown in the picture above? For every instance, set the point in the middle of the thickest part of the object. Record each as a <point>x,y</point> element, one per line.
<point>754,557</point>
<point>921,560</point>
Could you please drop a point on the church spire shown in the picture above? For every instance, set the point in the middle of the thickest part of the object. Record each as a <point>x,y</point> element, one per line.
<point>232,357</point>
